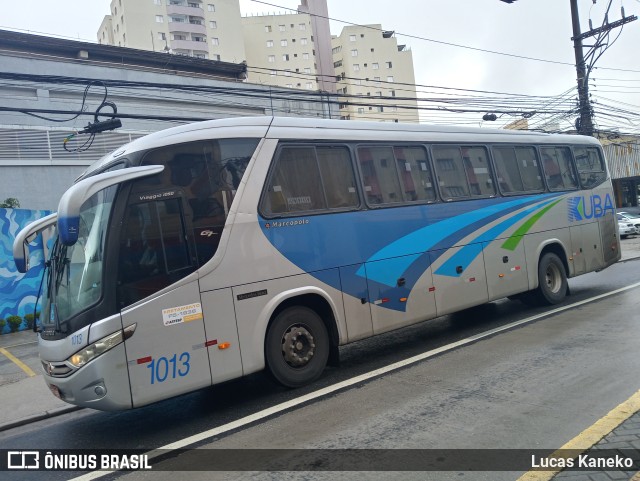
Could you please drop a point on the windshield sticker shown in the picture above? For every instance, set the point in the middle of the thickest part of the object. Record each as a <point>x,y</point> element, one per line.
<point>181,314</point>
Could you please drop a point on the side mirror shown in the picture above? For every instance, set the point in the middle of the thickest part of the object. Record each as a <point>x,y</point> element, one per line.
<point>21,242</point>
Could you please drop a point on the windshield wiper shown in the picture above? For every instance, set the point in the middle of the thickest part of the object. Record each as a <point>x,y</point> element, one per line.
<point>47,265</point>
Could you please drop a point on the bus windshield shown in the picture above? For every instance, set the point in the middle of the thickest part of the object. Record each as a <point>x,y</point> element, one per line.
<point>74,277</point>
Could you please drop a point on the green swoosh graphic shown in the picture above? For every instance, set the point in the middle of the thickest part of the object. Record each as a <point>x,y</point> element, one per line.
<point>512,242</point>
<point>581,208</point>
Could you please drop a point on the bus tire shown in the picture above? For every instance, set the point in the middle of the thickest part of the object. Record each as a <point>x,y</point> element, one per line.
<point>552,280</point>
<point>297,347</point>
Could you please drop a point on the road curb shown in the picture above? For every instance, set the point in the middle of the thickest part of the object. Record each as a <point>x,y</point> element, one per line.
<point>38,417</point>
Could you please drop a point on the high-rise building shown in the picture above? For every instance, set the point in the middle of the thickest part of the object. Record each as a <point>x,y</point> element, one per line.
<point>365,65</point>
<point>280,50</point>
<point>375,75</point>
<point>208,29</point>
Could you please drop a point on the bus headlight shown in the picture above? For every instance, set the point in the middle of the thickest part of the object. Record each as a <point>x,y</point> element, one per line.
<point>94,350</point>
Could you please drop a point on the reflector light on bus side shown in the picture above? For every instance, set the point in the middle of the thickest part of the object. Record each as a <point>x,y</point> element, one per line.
<point>78,194</point>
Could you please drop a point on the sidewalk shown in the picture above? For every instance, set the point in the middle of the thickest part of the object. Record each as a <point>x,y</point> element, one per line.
<point>24,393</point>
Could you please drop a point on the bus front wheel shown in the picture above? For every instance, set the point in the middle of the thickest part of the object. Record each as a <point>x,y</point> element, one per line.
<point>552,280</point>
<point>297,347</point>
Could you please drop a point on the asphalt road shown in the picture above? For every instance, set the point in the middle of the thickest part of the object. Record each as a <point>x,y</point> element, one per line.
<point>533,387</point>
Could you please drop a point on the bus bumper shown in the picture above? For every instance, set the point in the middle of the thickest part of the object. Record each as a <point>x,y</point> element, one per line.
<point>102,384</point>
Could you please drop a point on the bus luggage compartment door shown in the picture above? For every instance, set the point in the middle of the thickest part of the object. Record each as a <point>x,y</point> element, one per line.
<point>400,292</point>
<point>459,278</point>
<point>166,355</point>
<point>506,267</point>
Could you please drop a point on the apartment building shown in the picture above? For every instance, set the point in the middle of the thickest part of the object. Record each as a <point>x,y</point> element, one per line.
<point>280,50</point>
<point>208,29</point>
<point>375,75</point>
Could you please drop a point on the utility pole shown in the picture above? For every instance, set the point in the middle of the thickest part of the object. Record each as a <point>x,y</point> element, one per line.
<point>585,126</point>
<point>585,123</point>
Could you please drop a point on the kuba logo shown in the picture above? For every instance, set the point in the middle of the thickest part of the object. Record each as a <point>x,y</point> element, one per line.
<point>592,207</point>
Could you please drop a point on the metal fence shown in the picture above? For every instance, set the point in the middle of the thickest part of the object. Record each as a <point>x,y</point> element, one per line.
<point>45,146</point>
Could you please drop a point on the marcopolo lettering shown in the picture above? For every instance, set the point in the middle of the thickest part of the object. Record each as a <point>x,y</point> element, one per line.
<point>592,207</point>
<point>289,223</point>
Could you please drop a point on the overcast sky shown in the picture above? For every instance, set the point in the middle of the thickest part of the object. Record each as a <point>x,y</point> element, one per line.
<point>531,28</point>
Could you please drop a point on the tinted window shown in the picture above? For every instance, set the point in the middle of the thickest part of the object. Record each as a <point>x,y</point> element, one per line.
<point>379,175</point>
<point>558,169</point>
<point>310,179</point>
<point>153,249</point>
<point>174,219</point>
<point>463,171</point>
<point>295,185</point>
<point>338,178</point>
<point>415,174</point>
<point>450,172</point>
<point>208,175</point>
<point>517,169</point>
<point>476,165</point>
<point>590,166</point>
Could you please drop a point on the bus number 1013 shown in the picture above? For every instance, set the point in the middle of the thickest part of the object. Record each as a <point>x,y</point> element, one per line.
<point>175,366</point>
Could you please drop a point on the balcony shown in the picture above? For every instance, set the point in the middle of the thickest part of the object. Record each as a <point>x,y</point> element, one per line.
<point>187,27</point>
<point>184,10</point>
<point>189,45</point>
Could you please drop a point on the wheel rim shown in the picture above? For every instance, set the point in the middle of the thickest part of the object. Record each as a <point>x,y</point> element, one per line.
<point>298,346</point>
<point>553,278</point>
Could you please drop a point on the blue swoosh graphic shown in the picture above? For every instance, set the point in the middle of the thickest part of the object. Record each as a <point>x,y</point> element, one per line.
<point>468,253</point>
<point>427,237</point>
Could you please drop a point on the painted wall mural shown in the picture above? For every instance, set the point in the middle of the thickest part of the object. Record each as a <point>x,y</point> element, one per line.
<point>18,292</point>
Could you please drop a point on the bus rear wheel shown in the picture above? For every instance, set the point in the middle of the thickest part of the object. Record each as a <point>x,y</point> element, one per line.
<point>552,280</point>
<point>297,347</point>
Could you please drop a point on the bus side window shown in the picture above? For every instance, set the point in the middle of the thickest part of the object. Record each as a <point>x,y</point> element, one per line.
<point>415,173</point>
<point>529,165</point>
<point>338,178</point>
<point>451,172</point>
<point>558,169</point>
<point>518,169</point>
<point>295,184</point>
<point>476,162</point>
<point>507,170</point>
<point>590,166</point>
<point>379,175</point>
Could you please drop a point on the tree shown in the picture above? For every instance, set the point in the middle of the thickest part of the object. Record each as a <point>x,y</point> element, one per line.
<point>10,203</point>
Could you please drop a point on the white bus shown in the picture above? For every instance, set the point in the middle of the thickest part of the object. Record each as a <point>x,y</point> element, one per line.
<point>210,251</point>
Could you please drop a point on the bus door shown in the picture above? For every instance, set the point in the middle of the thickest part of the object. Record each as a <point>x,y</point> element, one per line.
<point>167,354</point>
<point>397,296</point>
<point>459,278</point>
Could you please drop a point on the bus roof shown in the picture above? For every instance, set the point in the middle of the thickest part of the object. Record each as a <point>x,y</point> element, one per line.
<point>337,130</point>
